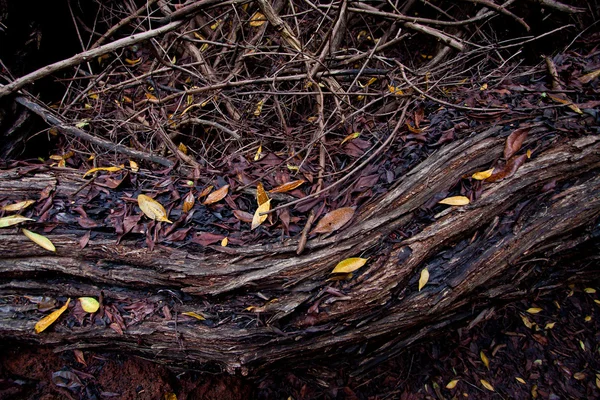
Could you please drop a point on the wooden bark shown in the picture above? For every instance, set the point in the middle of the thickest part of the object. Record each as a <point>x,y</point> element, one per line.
<point>508,242</point>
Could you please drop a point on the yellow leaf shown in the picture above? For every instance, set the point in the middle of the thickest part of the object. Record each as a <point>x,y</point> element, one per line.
<point>589,290</point>
<point>13,220</point>
<point>107,169</point>
<point>224,242</point>
<point>334,220</point>
<point>588,318</point>
<point>533,310</point>
<point>520,380</point>
<point>217,195</point>
<point>215,25</point>
<point>152,208</point>
<point>89,304</point>
<point>293,168</point>
<point>170,396</point>
<point>550,325</point>
<point>257,19</point>
<point>487,385</point>
<point>259,107</point>
<point>452,384</point>
<point>133,62</point>
<point>49,319</point>
<point>528,153</point>
<point>188,202</point>
<point>258,152</point>
<point>394,90</point>
<point>423,278</point>
<point>526,321</point>
<point>455,201</point>
<point>286,187</point>
<point>483,174</point>
<point>350,137</point>
<point>566,102</point>
<point>596,301</point>
<point>582,345</point>
<point>349,265</point>
<point>134,166</point>
<point>21,205</point>
<point>261,195</point>
<point>194,315</point>
<point>151,97</point>
<point>579,376</point>
<point>483,87</point>
<point>182,148</point>
<point>40,240</point>
<point>486,361</point>
<point>589,76</point>
<point>258,219</point>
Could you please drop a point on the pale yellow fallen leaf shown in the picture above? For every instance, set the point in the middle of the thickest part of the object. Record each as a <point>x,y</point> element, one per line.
<point>40,240</point>
<point>194,315</point>
<point>452,384</point>
<point>483,174</point>
<point>49,319</point>
<point>423,278</point>
<point>107,169</point>
<point>13,220</point>
<point>533,310</point>
<point>487,385</point>
<point>21,205</point>
<point>152,208</point>
<point>258,219</point>
<point>486,361</point>
<point>89,304</point>
<point>455,201</point>
<point>349,265</point>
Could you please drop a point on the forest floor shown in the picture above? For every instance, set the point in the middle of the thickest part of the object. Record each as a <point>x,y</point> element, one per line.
<point>542,348</point>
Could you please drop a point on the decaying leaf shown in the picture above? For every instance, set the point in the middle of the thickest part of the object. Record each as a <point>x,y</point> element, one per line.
<point>243,215</point>
<point>261,195</point>
<point>334,220</point>
<point>188,202</point>
<point>21,205</point>
<point>533,310</point>
<point>452,384</point>
<point>49,319</point>
<point>455,201</point>
<point>258,219</point>
<point>486,361</point>
<point>509,169</point>
<point>480,176</point>
<point>152,208</point>
<point>257,19</point>
<point>40,240</point>
<point>205,191</point>
<point>286,187</point>
<point>107,169</point>
<point>89,304</point>
<point>349,265</point>
<point>194,315</point>
<point>514,141</point>
<point>13,220</point>
<point>350,137</point>
<point>566,102</point>
<point>423,278</point>
<point>590,76</point>
<point>217,195</point>
<point>487,385</point>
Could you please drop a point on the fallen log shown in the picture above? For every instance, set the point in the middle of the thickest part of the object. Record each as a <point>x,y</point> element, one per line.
<point>264,304</point>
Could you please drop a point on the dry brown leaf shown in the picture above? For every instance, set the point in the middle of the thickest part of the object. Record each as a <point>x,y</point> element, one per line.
<point>455,201</point>
<point>261,195</point>
<point>217,195</point>
<point>334,220</point>
<point>509,169</point>
<point>152,208</point>
<point>40,240</point>
<point>286,187</point>
<point>243,215</point>
<point>49,319</point>
<point>205,192</point>
<point>21,205</point>
<point>514,141</point>
<point>349,265</point>
<point>566,102</point>
<point>13,220</point>
<point>258,219</point>
<point>188,202</point>
<point>587,78</point>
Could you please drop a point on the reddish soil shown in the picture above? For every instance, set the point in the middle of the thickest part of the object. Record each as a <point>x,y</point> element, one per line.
<point>551,361</point>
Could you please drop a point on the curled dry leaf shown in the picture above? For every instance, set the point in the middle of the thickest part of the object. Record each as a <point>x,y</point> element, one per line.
<point>455,201</point>
<point>40,240</point>
<point>217,195</point>
<point>261,195</point>
<point>89,304</point>
<point>21,205</point>
<point>258,219</point>
<point>286,187</point>
<point>49,319</point>
<point>424,278</point>
<point>107,169</point>
<point>188,202</point>
<point>349,265</point>
<point>152,208</point>
<point>483,174</point>
<point>452,384</point>
<point>334,220</point>
<point>13,220</point>
<point>514,141</point>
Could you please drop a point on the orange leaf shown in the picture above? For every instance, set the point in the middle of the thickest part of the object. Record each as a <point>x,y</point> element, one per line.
<point>566,102</point>
<point>188,202</point>
<point>334,220</point>
<point>217,195</point>
<point>286,187</point>
<point>206,191</point>
<point>261,195</point>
